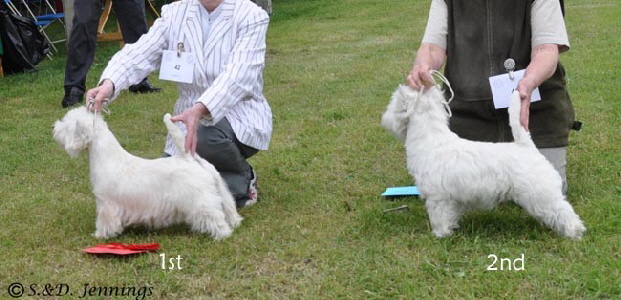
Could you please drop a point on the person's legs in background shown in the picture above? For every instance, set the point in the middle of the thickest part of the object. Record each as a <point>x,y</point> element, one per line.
<point>80,49</point>
<point>68,11</point>
<point>132,19</point>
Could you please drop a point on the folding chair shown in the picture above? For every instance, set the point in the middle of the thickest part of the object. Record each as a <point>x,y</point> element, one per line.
<point>12,7</point>
<point>43,20</point>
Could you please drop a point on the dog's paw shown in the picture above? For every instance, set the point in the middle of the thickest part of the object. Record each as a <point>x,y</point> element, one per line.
<point>104,234</point>
<point>99,235</point>
<point>442,233</point>
<point>235,221</point>
<point>220,235</point>
<point>574,231</point>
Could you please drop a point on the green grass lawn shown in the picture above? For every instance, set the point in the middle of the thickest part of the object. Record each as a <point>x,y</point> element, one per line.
<point>319,231</point>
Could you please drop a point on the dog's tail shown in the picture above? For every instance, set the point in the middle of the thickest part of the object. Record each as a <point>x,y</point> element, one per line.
<point>520,135</point>
<point>177,136</point>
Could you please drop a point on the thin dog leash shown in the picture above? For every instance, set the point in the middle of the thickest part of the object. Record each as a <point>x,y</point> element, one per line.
<point>448,84</point>
<point>104,107</point>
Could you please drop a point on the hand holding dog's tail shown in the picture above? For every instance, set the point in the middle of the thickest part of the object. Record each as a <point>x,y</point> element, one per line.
<point>177,136</point>
<point>520,135</point>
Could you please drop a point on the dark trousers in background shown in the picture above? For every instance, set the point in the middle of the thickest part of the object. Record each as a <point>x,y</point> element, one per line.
<point>131,17</point>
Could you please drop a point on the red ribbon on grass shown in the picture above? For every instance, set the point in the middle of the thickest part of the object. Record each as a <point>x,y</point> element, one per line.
<point>122,249</point>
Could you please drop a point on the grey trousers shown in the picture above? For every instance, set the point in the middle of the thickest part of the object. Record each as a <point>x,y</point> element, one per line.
<point>218,145</point>
<point>558,158</point>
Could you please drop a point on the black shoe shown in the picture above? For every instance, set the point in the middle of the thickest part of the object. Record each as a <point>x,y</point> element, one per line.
<point>239,203</point>
<point>73,96</point>
<point>253,194</point>
<point>144,87</point>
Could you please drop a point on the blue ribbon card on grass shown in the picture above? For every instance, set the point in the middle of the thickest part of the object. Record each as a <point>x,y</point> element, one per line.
<point>401,191</point>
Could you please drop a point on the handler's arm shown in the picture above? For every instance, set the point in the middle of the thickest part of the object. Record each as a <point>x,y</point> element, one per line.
<point>431,54</point>
<point>132,63</point>
<point>544,60</point>
<point>428,57</point>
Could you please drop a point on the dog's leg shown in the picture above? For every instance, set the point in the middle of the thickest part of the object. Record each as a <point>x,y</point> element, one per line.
<point>212,221</point>
<point>108,220</point>
<point>551,208</point>
<point>228,204</point>
<point>230,213</point>
<point>227,200</point>
<point>444,216</point>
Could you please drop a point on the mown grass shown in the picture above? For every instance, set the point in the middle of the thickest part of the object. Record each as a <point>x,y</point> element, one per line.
<point>319,231</point>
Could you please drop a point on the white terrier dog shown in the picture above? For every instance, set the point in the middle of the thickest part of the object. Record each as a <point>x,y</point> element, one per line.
<point>455,175</point>
<point>130,190</point>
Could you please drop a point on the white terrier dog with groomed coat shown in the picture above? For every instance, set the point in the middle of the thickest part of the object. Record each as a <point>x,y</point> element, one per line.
<point>455,175</point>
<point>130,190</point>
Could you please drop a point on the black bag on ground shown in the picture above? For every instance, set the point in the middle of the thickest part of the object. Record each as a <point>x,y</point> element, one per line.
<point>24,46</point>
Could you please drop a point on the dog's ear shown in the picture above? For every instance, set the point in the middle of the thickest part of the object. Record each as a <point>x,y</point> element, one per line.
<point>78,141</point>
<point>57,132</point>
<point>83,132</point>
<point>396,117</point>
<point>72,136</point>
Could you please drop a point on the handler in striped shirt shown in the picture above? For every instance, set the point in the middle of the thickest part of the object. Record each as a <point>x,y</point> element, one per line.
<point>221,108</point>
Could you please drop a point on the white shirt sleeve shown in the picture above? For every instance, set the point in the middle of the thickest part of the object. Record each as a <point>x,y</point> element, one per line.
<point>136,61</point>
<point>437,24</point>
<point>548,25</point>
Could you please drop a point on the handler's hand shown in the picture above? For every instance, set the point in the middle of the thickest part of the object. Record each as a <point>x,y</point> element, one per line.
<point>191,118</point>
<point>420,76</point>
<point>97,97</point>
<point>525,88</point>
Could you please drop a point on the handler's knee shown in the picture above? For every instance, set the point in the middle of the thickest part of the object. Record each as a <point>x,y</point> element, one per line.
<point>216,144</point>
